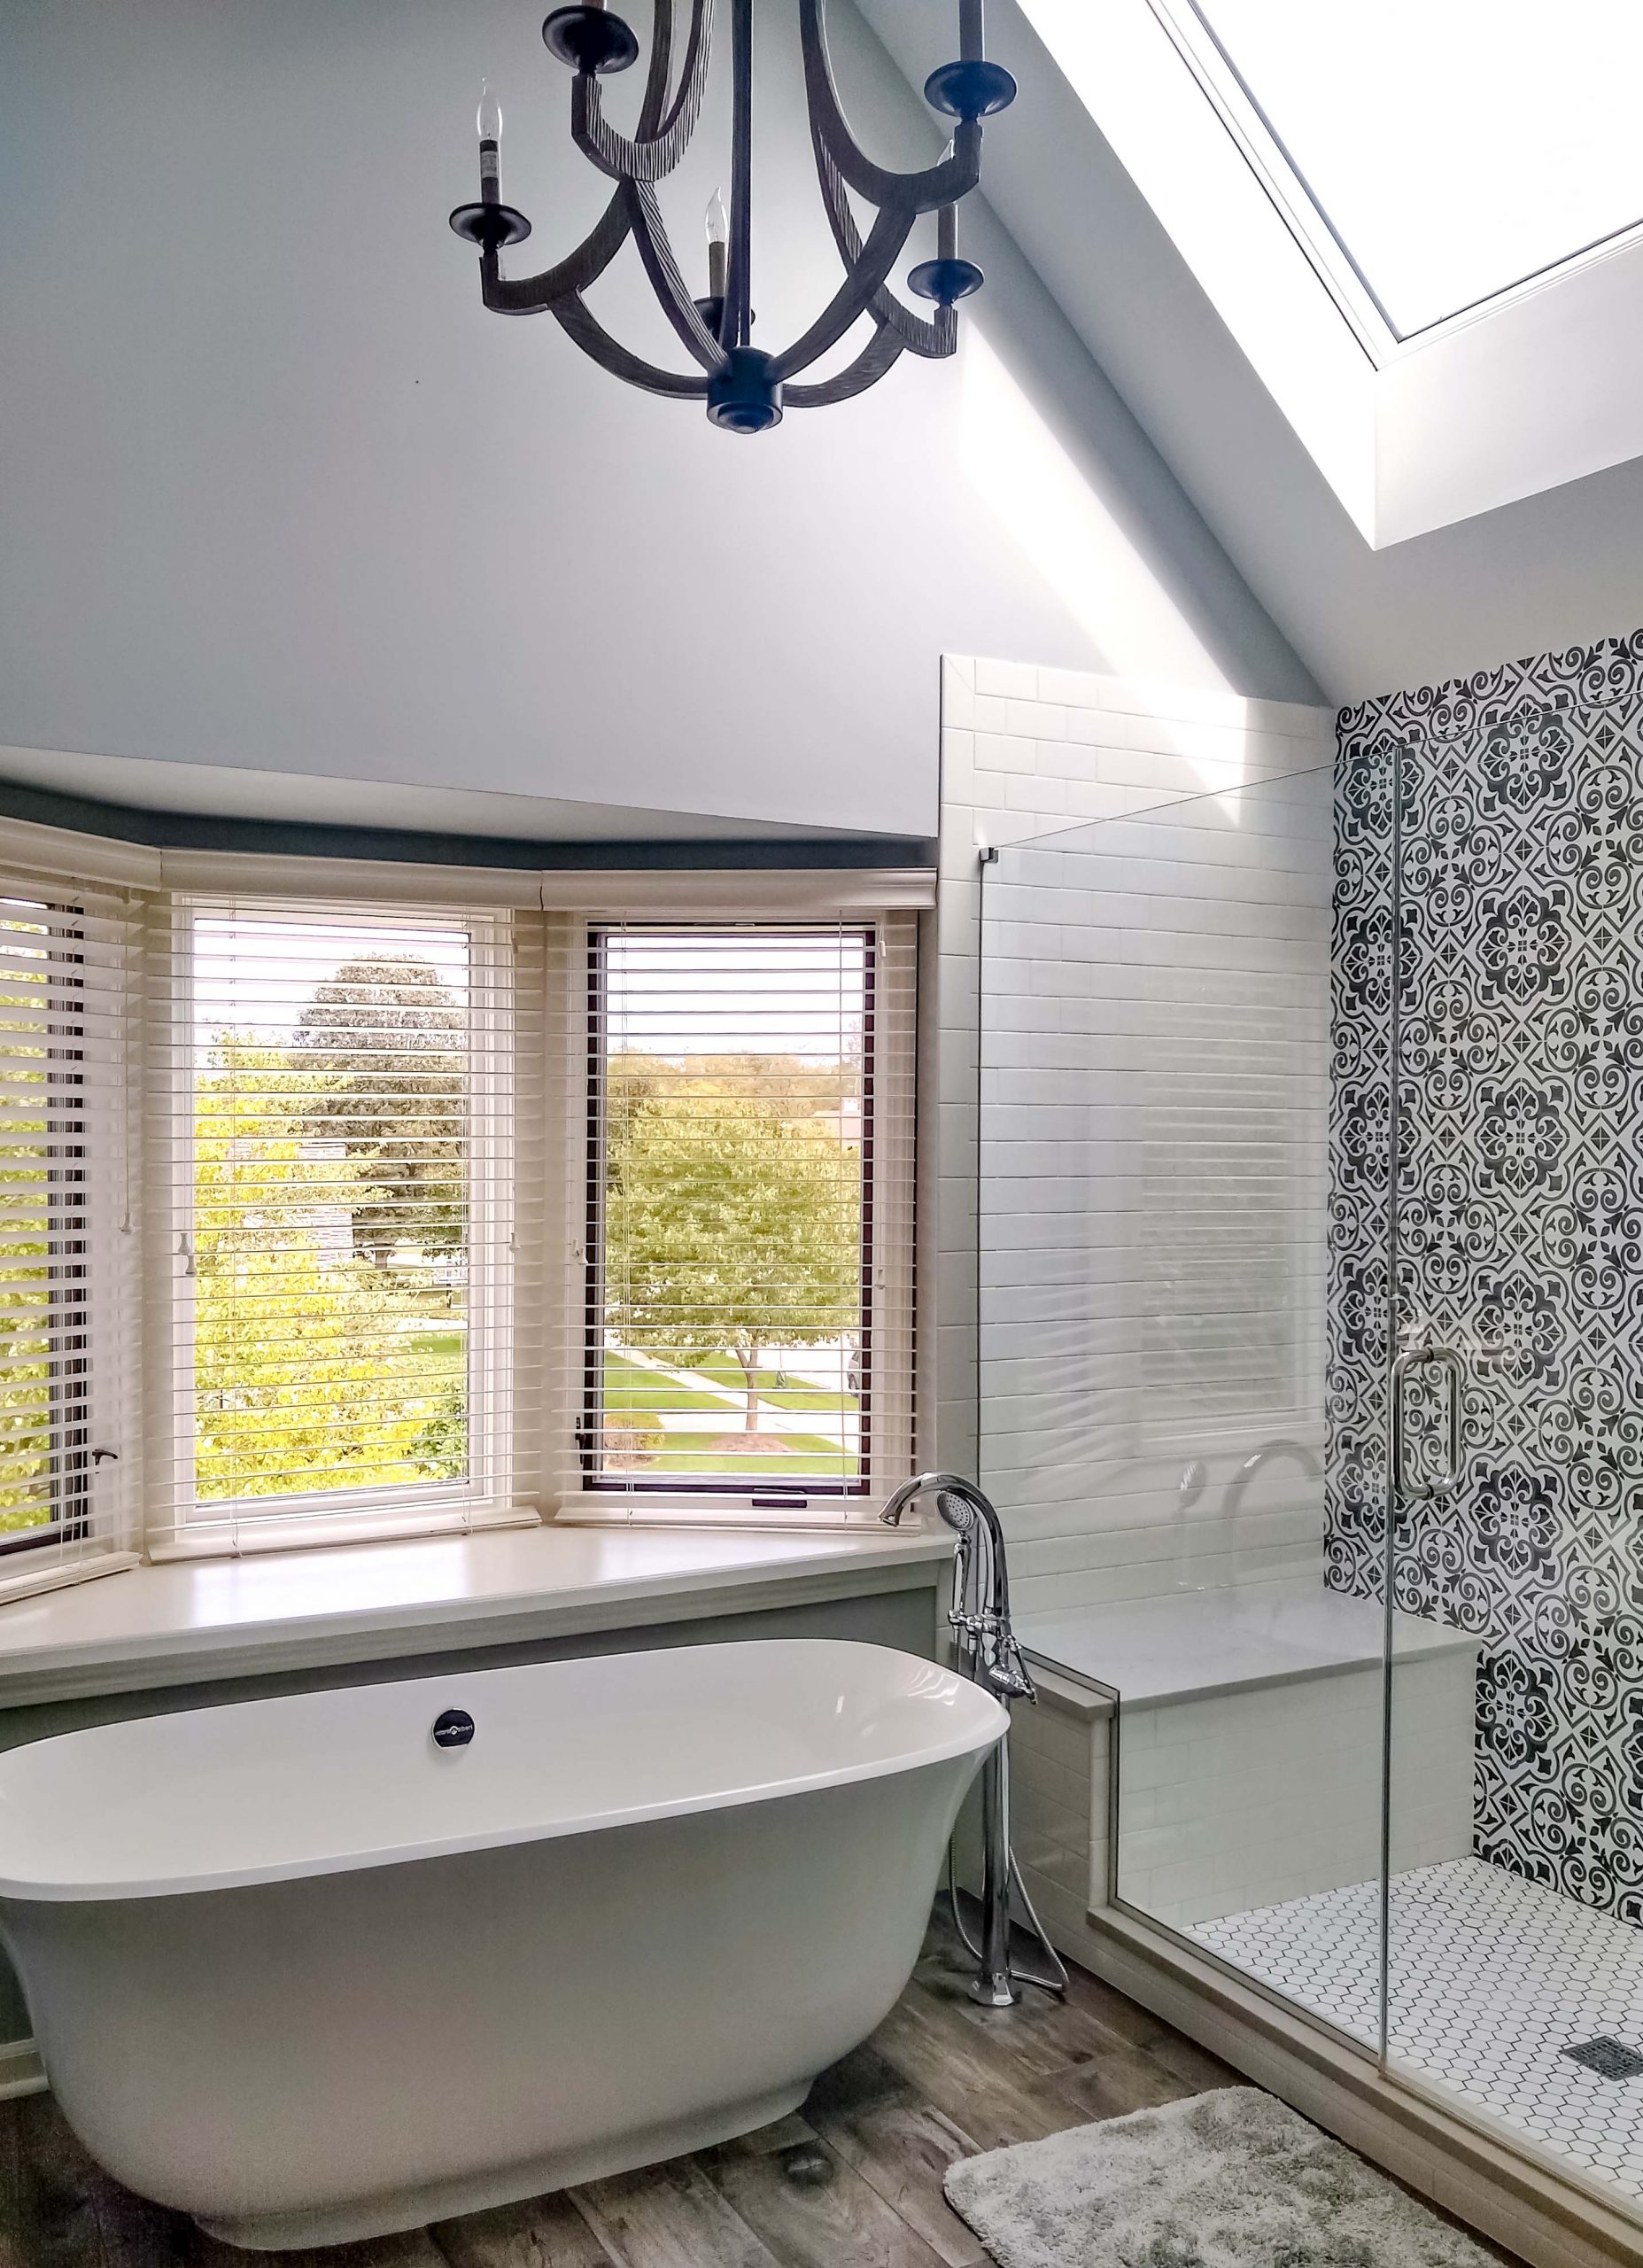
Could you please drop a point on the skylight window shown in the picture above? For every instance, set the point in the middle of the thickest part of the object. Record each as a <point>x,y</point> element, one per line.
<point>1421,221</point>
<point>1452,149</point>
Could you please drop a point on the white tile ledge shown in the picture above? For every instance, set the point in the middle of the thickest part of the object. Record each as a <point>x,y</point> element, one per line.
<point>1194,1645</point>
<point>194,1620</point>
<point>1063,1693</point>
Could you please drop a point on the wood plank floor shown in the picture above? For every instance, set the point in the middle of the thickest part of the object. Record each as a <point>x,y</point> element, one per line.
<point>853,2181</point>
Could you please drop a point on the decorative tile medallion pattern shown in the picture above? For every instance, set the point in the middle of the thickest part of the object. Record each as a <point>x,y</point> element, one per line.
<point>1519,978</point>
<point>1490,1978</point>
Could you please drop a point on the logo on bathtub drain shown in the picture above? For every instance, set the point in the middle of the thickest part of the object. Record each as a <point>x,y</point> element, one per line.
<point>453,1728</point>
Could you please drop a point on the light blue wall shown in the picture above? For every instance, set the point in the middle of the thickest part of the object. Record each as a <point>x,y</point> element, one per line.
<point>280,494</point>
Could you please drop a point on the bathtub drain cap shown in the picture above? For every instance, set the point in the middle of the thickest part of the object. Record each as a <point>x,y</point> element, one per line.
<point>453,1728</point>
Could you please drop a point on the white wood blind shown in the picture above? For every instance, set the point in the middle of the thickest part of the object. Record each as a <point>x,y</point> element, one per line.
<point>738,1331</point>
<point>64,1218</point>
<point>334,1198</point>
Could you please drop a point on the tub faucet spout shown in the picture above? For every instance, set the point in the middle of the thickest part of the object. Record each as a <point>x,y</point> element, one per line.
<point>1298,1452</point>
<point>981,1613</point>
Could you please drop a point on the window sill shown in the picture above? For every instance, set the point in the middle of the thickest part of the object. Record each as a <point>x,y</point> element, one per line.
<point>192,1620</point>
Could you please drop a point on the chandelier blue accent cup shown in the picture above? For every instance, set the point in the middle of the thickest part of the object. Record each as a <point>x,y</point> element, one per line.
<point>745,388</point>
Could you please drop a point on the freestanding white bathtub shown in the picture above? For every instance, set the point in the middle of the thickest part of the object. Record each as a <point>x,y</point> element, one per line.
<point>302,1972</point>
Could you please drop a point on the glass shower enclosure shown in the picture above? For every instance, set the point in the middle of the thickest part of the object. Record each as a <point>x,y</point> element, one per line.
<point>1311,1324</point>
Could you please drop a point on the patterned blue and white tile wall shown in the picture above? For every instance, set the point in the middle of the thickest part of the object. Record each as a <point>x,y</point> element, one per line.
<point>1519,969</point>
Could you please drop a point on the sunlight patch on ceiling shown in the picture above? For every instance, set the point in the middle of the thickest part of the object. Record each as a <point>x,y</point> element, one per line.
<point>1452,149</point>
<point>1065,531</point>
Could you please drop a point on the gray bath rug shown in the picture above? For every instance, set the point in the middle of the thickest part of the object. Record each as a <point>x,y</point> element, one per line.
<point>1234,2180</point>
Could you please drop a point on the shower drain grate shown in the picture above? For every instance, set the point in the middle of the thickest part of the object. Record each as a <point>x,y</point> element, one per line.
<point>1610,2059</point>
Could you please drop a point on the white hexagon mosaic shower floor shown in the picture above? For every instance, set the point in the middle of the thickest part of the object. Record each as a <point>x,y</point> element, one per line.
<point>1491,1979</point>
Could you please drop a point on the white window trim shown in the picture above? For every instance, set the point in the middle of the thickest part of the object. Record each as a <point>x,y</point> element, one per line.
<point>1218,74</point>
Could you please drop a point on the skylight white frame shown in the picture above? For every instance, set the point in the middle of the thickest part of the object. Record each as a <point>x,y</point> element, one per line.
<point>1536,387</point>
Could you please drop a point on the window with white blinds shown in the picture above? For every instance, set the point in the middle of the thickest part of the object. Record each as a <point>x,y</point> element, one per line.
<point>747,1258</point>
<point>332,1216</point>
<point>336,1164</point>
<point>64,1208</point>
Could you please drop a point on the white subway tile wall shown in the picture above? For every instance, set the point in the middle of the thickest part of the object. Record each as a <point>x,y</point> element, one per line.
<point>1153,1181</point>
<point>1249,1798</point>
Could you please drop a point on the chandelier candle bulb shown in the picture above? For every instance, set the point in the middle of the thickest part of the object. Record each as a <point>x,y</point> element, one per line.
<point>490,122</point>
<point>718,245</point>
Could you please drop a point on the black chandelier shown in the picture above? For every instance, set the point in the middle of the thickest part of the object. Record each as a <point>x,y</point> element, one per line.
<point>745,388</point>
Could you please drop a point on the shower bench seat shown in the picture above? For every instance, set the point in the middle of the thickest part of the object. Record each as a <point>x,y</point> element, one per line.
<point>1246,1736</point>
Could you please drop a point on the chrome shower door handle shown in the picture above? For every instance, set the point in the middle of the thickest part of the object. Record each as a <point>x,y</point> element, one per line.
<point>1406,1483</point>
<point>1448,1359</point>
<point>1402,1485</point>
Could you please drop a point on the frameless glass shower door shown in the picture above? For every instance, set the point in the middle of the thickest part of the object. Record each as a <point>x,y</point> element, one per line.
<point>1311,1267</point>
<point>1156,1391</point>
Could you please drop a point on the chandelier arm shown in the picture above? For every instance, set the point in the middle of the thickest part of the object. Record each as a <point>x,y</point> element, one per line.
<point>658,72</point>
<point>919,336</point>
<point>530,295</point>
<point>945,326</point>
<point>881,350</point>
<point>855,296</point>
<point>653,153</point>
<point>952,176</point>
<point>574,316</point>
<point>736,316</point>
<point>651,236</point>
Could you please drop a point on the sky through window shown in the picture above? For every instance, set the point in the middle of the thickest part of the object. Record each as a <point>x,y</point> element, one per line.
<point>1454,147</point>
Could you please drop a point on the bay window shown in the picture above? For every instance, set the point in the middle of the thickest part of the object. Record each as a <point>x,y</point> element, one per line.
<point>337,1213</point>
